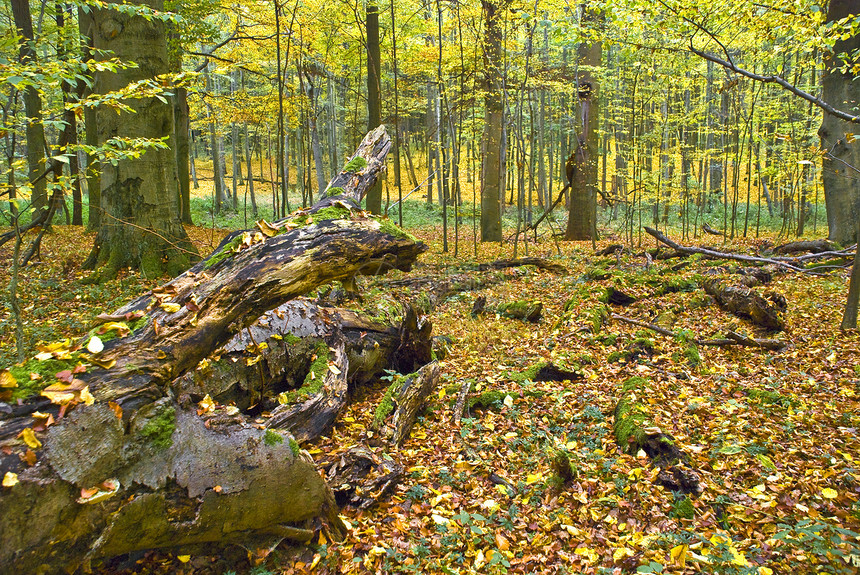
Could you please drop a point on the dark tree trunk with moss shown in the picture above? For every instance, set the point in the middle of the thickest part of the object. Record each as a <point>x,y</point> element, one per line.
<point>140,227</point>
<point>144,458</point>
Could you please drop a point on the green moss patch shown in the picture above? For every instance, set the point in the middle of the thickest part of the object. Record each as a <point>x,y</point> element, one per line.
<point>46,370</point>
<point>158,430</point>
<point>225,252</point>
<point>313,380</point>
<point>631,415</point>
<point>294,447</point>
<point>386,406</point>
<point>272,438</point>
<point>490,399</point>
<point>355,165</point>
<point>335,191</point>
<point>387,226</point>
<point>683,508</point>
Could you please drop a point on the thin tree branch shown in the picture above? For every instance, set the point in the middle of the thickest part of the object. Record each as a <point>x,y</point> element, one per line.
<point>855,119</point>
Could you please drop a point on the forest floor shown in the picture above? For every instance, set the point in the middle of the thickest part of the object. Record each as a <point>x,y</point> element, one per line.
<point>773,435</point>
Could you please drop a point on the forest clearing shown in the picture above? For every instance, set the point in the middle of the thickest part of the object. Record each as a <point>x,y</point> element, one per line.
<point>429,287</point>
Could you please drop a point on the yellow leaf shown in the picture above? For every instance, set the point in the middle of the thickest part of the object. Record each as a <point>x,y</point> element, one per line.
<point>533,478</point>
<point>283,398</point>
<point>439,520</point>
<point>253,360</point>
<point>268,229</point>
<point>829,493</point>
<point>10,479</point>
<point>621,553</point>
<point>184,558</point>
<point>171,307</point>
<point>509,401</point>
<point>679,555</point>
<point>7,380</point>
<point>479,560</point>
<point>333,368</point>
<point>206,404</point>
<point>95,345</point>
<point>30,439</point>
<point>765,571</point>
<point>87,397</point>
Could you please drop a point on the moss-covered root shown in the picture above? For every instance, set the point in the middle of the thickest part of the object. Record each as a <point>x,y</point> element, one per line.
<point>521,309</point>
<point>634,431</point>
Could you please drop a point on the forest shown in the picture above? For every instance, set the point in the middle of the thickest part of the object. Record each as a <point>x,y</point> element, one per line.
<point>430,286</point>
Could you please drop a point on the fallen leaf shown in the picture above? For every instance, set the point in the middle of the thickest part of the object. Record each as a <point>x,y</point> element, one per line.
<point>30,438</point>
<point>171,307</point>
<point>10,479</point>
<point>829,493</point>
<point>7,380</point>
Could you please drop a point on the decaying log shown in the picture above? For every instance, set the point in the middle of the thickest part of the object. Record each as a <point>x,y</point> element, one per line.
<point>540,263</point>
<point>135,462</point>
<point>733,338</point>
<point>610,250</point>
<point>403,401</point>
<point>411,398</point>
<point>634,431</point>
<point>781,262</point>
<point>709,230</point>
<point>807,246</point>
<point>747,303</point>
<point>615,296</point>
<point>360,478</point>
<point>521,309</point>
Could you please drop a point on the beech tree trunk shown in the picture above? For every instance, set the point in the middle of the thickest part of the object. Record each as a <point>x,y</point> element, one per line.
<point>141,228</point>
<point>841,160</point>
<point>143,457</point>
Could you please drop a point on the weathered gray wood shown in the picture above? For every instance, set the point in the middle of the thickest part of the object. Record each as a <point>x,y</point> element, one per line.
<point>747,303</point>
<point>411,399</point>
<point>183,472</point>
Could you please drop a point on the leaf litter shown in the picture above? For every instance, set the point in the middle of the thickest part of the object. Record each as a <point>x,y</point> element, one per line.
<point>772,434</point>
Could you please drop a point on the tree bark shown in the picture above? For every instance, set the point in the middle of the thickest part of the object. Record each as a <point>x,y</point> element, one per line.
<point>841,164</point>
<point>581,219</point>
<point>492,175</point>
<point>32,107</point>
<point>374,196</point>
<point>141,227</point>
<point>164,468</point>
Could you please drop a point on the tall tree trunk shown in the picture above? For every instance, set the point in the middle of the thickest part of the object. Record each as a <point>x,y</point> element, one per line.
<point>181,132</point>
<point>141,227</point>
<point>94,192</point>
<point>492,173</point>
<point>374,196</point>
<point>841,150</point>
<point>250,178</point>
<point>32,107</point>
<point>581,218</point>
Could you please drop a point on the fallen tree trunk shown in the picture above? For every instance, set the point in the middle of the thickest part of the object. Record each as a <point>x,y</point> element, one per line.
<point>733,338</point>
<point>747,303</point>
<point>715,254</point>
<point>807,246</point>
<point>134,460</point>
